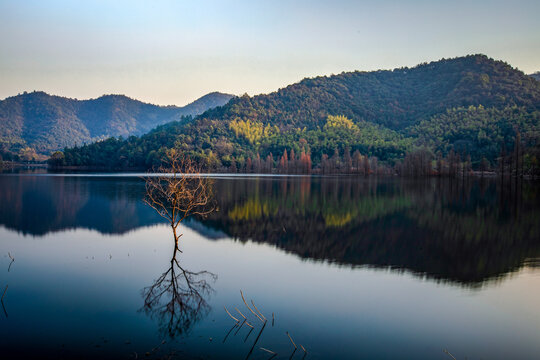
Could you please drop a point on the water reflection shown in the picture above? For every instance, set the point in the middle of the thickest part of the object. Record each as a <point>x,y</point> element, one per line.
<point>38,205</point>
<point>461,232</point>
<point>467,233</point>
<point>177,298</point>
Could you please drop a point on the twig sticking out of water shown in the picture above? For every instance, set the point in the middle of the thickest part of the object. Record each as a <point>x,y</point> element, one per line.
<point>448,353</point>
<point>252,303</point>
<point>240,313</point>
<point>230,314</point>
<point>4,293</point>
<point>250,309</point>
<point>240,327</point>
<point>290,338</point>
<point>268,351</point>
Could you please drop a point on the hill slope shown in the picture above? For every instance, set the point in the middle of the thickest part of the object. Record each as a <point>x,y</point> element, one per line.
<point>536,75</point>
<point>47,123</point>
<point>380,113</point>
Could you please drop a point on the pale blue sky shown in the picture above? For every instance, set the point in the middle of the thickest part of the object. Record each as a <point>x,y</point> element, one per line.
<point>171,52</point>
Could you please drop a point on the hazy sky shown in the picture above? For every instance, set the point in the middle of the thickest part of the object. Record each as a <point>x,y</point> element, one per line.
<point>172,52</point>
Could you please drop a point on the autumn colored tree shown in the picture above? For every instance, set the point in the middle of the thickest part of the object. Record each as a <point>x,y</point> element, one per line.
<point>284,163</point>
<point>269,163</point>
<point>292,162</point>
<point>366,166</point>
<point>257,166</point>
<point>305,163</point>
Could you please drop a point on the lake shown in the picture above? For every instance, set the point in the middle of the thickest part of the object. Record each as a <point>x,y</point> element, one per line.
<point>348,267</point>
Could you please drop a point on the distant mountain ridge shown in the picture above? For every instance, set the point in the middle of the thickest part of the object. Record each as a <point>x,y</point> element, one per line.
<point>473,105</point>
<point>535,75</point>
<point>47,123</point>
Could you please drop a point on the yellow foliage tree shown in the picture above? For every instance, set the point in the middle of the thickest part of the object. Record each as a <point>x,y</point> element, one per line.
<point>253,131</point>
<point>339,121</point>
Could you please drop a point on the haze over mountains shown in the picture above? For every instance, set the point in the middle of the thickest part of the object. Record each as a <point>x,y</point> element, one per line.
<point>47,123</point>
<point>473,105</point>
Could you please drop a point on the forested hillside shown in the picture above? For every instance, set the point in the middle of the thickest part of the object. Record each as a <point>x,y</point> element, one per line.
<point>472,105</point>
<point>41,123</point>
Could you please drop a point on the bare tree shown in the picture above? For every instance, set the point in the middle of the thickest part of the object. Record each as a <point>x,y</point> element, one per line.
<point>179,190</point>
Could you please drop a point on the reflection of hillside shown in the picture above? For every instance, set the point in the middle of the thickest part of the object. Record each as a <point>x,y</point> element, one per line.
<point>38,205</point>
<point>334,214</point>
<point>466,233</point>
<point>461,232</point>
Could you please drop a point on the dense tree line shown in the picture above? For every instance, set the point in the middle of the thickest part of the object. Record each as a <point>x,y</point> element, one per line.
<point>342,149</point>
<point>478,131</point>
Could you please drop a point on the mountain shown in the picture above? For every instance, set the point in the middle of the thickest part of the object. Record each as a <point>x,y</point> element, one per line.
<point>208,101</point>
<point>470,104</point>
<point>47,123</point>
<point>536,75</point>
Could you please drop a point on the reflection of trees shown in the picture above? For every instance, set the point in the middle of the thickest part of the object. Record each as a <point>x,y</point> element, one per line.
<point>108,205</point>
<point>177,298</point>
<point>457,231</point>
<point>461,231</point>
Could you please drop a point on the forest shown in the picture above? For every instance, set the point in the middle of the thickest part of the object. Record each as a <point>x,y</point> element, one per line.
<point>464,112</point>
<point>34,124</point>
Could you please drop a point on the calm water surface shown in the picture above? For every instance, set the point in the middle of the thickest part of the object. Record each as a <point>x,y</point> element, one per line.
<point>350,267</point>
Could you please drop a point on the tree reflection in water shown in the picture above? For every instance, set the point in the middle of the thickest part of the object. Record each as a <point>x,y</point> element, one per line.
<point>177,297</point>
<point>468,232</point>
<point>465,232</point>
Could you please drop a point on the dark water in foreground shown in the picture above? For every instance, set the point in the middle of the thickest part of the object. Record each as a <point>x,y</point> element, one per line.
<point>351,268</point>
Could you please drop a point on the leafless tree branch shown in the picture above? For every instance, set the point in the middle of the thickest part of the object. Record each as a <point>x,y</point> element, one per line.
<point>178,191</point>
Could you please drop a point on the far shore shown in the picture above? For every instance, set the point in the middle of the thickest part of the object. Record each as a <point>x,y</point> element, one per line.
<point>43,165</point>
